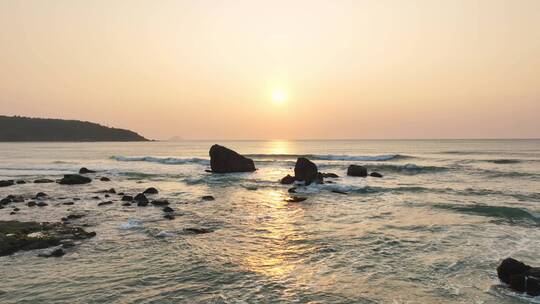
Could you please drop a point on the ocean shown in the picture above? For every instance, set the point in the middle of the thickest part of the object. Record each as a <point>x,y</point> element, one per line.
<point>432,230</point>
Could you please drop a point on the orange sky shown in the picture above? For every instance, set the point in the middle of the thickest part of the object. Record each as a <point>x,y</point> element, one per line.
<point>208,69</point>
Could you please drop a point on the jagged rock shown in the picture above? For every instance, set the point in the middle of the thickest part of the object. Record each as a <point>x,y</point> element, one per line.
<point>6,183</point>
<point>224,160</point>
<point>84,170</point>
<point>287,180</point>
<point>151,190</point>
<point>208,198</point>
<point>43,181</point>
<point>375,174</point>
<point>355,170</point>
<point>305,170</point>
<point>519,276</point>
<point>74,179</point>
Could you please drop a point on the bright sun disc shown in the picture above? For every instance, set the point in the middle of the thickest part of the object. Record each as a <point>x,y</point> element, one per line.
<point>278,97</point>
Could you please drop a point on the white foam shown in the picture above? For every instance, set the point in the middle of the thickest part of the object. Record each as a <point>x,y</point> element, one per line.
<point>164,234</point>
<point>131,223</point>
<point>165,160</point>
<point>384,157</point>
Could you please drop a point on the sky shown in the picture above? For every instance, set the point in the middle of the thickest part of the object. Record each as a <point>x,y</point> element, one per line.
<point>248,69</point>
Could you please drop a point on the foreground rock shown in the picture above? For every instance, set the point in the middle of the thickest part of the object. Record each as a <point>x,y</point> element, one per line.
<point>15,235</point>
<point>74,179</point>
<point>224,160</point>
<point>306,171</point>
<point>519,276</point>
<point>355,170</point>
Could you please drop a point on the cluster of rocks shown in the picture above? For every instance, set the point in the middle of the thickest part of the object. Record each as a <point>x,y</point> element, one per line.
<point>68,179</point>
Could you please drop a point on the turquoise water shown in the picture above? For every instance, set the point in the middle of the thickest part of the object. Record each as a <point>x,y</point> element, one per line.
<point>432,230</point>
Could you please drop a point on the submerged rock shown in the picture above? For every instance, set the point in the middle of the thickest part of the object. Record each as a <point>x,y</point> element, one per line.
<point>58,252</point>
<point>295,199</point>
<point>40,195</point>
<point>6,183</point>
<point>196,230</point>
<point>151,190</point>
<point>84,170</point>
<point>31,204</point>
<point>329,175</point>
<point>140,198</point>
<point>167,209</point>
<point>43,181</point>
<point>375,174</point>
<point>74,179</point>
<point>287,180</point>
<point>224,160</point>
<point>207,198</point>
<point>127,198</point>
<point>519,276</point>
<point>42,204</point>
<point>20,182</point>
<point>68,203</point>
<point>306,171</point>
<point>160,202</point>
<point>169,216</point>
<point>355,170</point>
<point>105,179</point>
<point>105,203</point>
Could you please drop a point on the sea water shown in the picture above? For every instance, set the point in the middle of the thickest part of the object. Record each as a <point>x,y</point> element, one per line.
<point>432,230</point>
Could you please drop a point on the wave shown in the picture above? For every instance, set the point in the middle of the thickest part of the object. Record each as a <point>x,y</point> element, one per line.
<point>410,169</point>
<point>503,161</point>
<point>336,157</point>
<point>163,160</point>
<point>511,214</point>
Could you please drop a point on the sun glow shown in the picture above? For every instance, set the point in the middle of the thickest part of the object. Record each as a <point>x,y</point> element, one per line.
<point>279,97</point>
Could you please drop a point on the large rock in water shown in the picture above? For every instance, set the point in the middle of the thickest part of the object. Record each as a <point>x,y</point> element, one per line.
<point>305,170</point>
<point>224,160</point>
<point>74,179</point>
<point>519,276</point>
<point>355,170</point>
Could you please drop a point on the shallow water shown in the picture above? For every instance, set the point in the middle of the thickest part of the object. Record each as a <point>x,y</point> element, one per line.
<point>432,230</point>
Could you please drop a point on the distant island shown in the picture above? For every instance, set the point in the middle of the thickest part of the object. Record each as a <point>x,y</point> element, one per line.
<point>20,129</point>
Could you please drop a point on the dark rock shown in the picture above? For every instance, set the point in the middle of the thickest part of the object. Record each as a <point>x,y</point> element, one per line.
<point>127,198</point>
<point>140,198</point>
<point>355,170</point>
<point>68,203</point>
<point>151,190</point>
<point>107,195</point>
<point>105,179</point>
<point>74,179</point>
<point>75,216</point>
<point>329,175</point>
<point>58,252</point>
<point>84,170</point>
<point>375,174</point>
<point>111,191</point>
<point>12,213</point>
<point>43,181</point>
<point>338,191</point>
<point>76,199</point>
<point>167,209</point>
<point>169,216</point>
<point>20,182</point>
<point>196,230</point>
<point>305,170</point>
<point>31,204</point>
<point>5,201</point>
<point>160,202</point>
<point>224,160</point>
<point>42,204</point>
<point>142,203</point>
<point>95,197</point>
<point>208,198</point>
<point>292,190</point>
<point>16,209</point>
<point>105,203</point>
<point>68,244</point>
<point>126,204</point>
<point>120,193</point>
<point>519,276</point>
<point>287,180</point>
<point>6,183</point>
<point>40,195</point>
<point>295,199</point>
<point>17,199</point>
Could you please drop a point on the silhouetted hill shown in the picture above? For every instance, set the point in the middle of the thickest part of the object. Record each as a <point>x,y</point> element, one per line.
<point>39,129</point>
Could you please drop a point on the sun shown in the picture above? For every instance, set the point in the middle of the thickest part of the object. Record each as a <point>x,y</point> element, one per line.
<point>279,96</point>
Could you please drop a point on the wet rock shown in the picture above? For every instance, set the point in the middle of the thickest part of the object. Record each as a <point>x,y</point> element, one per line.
<point>68,203</point>
<point>105,203</point>
<point>107,195</point>
<point>84,170</point>
<point>295,199</point>
<point>42,204</point>
<point>74,179</point>
<point>15,235</point>
<point>196,230</point>
<point>151,190</point>
<point>12,213</point>
<point>224,160</point>
<point>292,190</point>
<point>17,199</point>
<point>31,204</point>
<point>43,181</point>
<point>142,204</point>
<point>95,197</point>
<point>355,170</point>
<point>111,191</point>
<point>519,276</point>
<point>169,216</point>
<point>6,183</point>
<point>5,201</point>
<point>16,209</point>
<point>305,170</point>
<point>375,174</point>
<point>75,216</point>
<point>140,198</point>
<point>329,175</point>
<point>167,209</point>
<point>160,202</point>
<point>58,252</point>
<point>105,179</point>
<point>121,193</point>
<point>126,204</point>
<point>40,195</point>
<point>68,244</point>
<point>287,180</point>
<point>339,191</point>
<point>20,182</point>
<point>127,198</point>
<point>207,198</point>
<point>76,199</point>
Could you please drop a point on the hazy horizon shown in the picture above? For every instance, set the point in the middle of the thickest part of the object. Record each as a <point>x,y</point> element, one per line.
<point>247,70</point>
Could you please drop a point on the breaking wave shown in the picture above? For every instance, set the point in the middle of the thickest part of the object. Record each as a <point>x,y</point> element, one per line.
<point>163,160</point>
